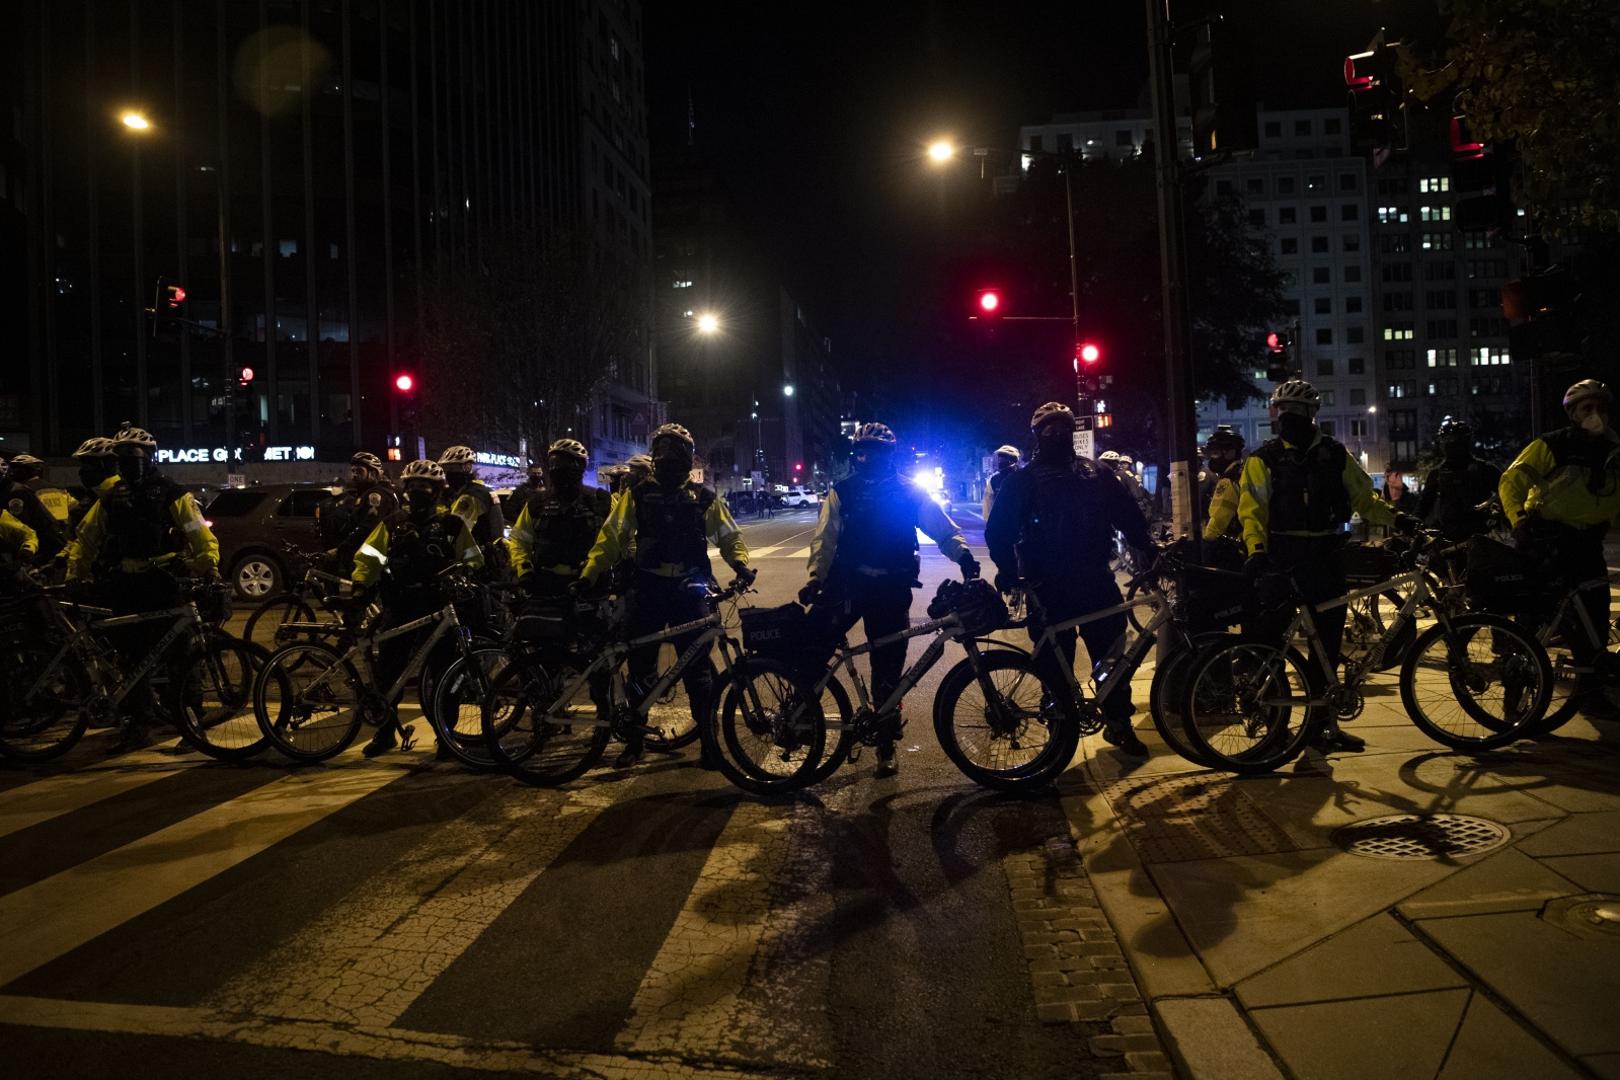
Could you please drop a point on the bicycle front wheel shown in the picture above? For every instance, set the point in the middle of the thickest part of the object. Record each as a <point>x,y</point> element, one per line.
<point>215,706</point>
<point>458,704</point>
<point>1479,683</point>
<point>307,701</point>
<point>42,701</point>
<point>771,731</point>
<point>1002,725</point>
<point>1246,709</point>
<point>537,738</point>
<point>1168,691</point>
<point>263,627</point>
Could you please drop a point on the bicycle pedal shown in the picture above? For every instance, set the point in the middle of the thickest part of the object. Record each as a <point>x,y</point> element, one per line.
<point>407,737</point>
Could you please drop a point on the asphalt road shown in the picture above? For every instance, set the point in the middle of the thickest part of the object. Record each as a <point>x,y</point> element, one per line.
<point>166,916</point>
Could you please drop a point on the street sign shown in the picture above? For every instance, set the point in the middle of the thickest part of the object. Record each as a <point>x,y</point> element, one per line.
<point>236,480</point>
<point>1084,442</point>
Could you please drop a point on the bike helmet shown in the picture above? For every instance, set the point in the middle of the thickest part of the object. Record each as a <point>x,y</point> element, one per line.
<point>1009,452</point>
<point>672,431</point>
<point>640,463</point>
<point>1296,392</point>
<point>367,460</point>
<point>457,455</point>
<point>874,434</point>
<point>1585,390</point>
<point>134,438</point>
<point>1052,412</point>
<point>1455,431</point>
<point>1224,438</point>
<point>1111,457</point>
<point>26,459</point>
<point>569,448</point>
<point>423,470</point>
<point>97,447</point>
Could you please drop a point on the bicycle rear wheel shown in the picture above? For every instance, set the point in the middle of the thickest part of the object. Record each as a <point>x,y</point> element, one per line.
<point>42,701</point>
<point>1166,697</point>
<point>458,704</point>
<point>1480,683</point>
<point>1246,707</point>
<point>214,709</point>
<point>1002,725</point>
<point>771,732</point>
<point>308,702</point>
<point>263,626</point>
<point>534,737</point>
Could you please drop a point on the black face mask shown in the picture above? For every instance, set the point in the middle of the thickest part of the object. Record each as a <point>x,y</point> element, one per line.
<point>567,476</point>
<point>1456,453</point>
<point>92,474</point>
<point>1054,443</point>
<point>131,468</point>
<point>1297,429</point>
<point>1218,465</point>
<point>672,470</point>
<point>420,500</point>
<point>873,462</point>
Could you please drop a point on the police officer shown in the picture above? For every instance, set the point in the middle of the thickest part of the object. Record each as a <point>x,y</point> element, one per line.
<point>472,502</point>
<point>137,532</point>
<point>401,563</point>
<point>664,524</point>
<point>1297,494</point>
<point>1052,530</point>
<point>18,544</point>
<point>1123,466</point>
<point>864,559</point>
<point>346,520</point>
<point>1223,458</point>
<point>1560,495</point>
<point>1454,490</point>
<point>1007,460</point>
<point>558,524</point>
<point>42,509</point>
<point>98,474</point>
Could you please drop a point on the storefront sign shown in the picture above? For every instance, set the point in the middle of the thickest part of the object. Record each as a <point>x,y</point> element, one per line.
<point>202,455</point>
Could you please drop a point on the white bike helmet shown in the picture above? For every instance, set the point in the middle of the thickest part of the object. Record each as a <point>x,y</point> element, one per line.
<point>1296,392</point>
<point>423,470</point>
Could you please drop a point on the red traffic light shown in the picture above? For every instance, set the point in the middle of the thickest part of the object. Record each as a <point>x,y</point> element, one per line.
<point>989,302</point>
<point>798,466</point>
<point>1359,81</point>
<point>1464,146</point>
<point>1274,341</point>
<point>404,383</point>
<point>1088,352</point>
<point>247,375</point>
<point>177,295</point>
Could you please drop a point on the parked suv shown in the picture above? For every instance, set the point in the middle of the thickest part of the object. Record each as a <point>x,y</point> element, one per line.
<point>256,526</point>
<point>799,496</point>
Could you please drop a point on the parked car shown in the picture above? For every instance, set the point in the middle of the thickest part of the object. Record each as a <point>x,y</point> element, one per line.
<point>800,496</point>
<point>257,525</point>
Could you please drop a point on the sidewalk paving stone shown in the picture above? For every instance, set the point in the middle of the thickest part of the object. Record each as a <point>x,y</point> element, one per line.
<point>1397,1037</point>
<point>1373,958</point>
<point>1579,834</point>
<point>1491,1043</point>
<point>1506,880</point>
<point>1599,873</point>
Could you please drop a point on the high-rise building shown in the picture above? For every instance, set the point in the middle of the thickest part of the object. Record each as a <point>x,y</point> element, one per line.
<point>348,152</point>
<point>1307,191</point>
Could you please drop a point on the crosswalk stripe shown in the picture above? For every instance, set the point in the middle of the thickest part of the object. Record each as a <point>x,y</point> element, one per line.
<point>366,960</point>
<point>31,804</point>
<point>802,553</point>
<point>377,1043</point>
<point>52,917</point>
<point>696,992</point>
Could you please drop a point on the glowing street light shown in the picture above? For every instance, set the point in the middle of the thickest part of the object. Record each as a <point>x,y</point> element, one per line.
<point>940,151</point>
<point>708,323</point>
<point>787,390</point>
<point>135,120</point>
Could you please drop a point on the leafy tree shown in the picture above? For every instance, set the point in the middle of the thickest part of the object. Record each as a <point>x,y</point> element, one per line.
<point>1541,75</point>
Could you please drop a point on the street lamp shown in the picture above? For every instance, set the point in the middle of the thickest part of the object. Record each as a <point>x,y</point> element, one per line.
<point>135,120</point>
<point>708,323</point>
<point>941,151</point>
<point>787,390</point>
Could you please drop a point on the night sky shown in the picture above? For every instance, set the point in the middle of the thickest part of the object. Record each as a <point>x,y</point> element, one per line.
<point>817,115</point>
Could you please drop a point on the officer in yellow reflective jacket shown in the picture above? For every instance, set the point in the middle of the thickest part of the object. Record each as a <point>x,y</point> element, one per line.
<point>43,509</point>
<point>1296,497</point>
<point>664,524</point>
<point>1223,457</point>
<point>18,542</point>
<point>1561,494</point>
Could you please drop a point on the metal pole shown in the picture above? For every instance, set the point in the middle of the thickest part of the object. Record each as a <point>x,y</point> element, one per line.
<point>1181,436</point>
<point>220,180</point>
<point>1082,399</point>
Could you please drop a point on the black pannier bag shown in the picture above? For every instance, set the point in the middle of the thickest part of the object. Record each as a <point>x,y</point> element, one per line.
<point>1370,564</point>
<point>1211,599</point>
<point>1499,578</point>
<point>976,603</point>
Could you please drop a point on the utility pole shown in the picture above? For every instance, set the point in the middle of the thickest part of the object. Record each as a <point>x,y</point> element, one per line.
<point>1181,436</point>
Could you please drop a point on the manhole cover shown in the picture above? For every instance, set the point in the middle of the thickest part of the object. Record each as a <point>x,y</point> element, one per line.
<point>1593,915</point>
<point>1410,836</point>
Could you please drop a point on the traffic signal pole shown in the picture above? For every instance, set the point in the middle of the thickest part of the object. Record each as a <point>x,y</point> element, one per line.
<point>1181,437</point>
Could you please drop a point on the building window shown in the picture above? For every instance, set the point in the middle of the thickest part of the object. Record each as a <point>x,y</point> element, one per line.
<point>1223,187</point>
<point>1401,359</point>
<point>1398,332</point>
<point>1434,213</point>
<point>1352,275</point>
<point>1256,185</point>
<point>1395,244</point>
<point>1407,388</point>
<point>1326,425</point>
<point>1319,245</point>
<point>1397,301</point>
<point>1319,213</point>
<point>1257,218</point>
<point>1487,327</point>
<point>1323,305</point>
<point>1324,367</point>
<point>1327,399</point>
<point>1352,243</point>
<point>1324,335</point>
<point>1441,329</point>
<point>1349,183</point>
<point>1123,138</point>
<point>1439,299</point>
<point>1477,241</point>
<point>1437,241</point>
<point>1349,212</point>
<point>1287,215</point>
<point>1391,215</point>
<point>1433,185</point>
<point>1358,428</point>
<point>1440,270</point>
<point>1356,365</point>
<point>1354,335</point>
<point>1352,305</point>
<point>1273,129</point>
<point>1441,357</point>
<point>1036,143</point>
<point>1289,245</point>
<point>1302,127</point>
<point>1321,275</point>
<point>1358,396</point>
<point>1285,184</point>
<point>1490,268</point>
<point>1396,272</point>
<point>1488,356</point>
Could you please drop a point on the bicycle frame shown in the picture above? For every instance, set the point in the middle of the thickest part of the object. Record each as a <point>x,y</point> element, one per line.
<point>1305,621</point>
<point>1599,642</point>
<point>1120,657</point>
<point>446,623</point>
<point>186,620</point>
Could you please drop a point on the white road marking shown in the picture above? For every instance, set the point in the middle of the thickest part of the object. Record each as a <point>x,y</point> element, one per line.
<point>50,918</point>
<point>31,804</point>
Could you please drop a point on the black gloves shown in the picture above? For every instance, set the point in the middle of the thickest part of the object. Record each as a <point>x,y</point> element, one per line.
<point>1406,524</point>
<point>1258,564</point>
<point>969,565</point>
<point>1524,533</point>
<point>810,593</point>
<point>746,576</point>
<point>1006,583</point>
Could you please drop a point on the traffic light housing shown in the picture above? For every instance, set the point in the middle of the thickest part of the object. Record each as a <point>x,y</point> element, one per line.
<point>987,304</point>
<point>1279,345</point>
<point>1481,180</point>
<point>244,377</point>
<point>1206,105</point>
<point>1377,98</point>
<point>170,298</point>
